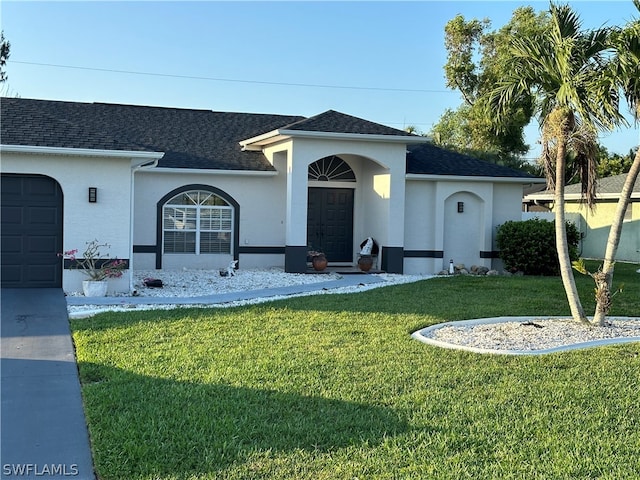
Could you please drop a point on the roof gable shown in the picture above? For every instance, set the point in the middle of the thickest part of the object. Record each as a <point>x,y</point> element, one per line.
<point>336,122</point>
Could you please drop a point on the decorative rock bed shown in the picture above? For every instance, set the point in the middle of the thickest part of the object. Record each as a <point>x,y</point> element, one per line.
<point>527,336</point>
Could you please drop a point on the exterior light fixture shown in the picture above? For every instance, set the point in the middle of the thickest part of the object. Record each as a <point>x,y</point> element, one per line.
<point>93,194</point>
<point>460,207</point>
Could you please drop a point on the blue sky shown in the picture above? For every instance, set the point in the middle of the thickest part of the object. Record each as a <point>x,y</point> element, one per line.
<point>263,57</point>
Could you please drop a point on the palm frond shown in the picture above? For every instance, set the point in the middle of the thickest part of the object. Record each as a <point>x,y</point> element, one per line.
<point>583,142</point>
<point>626,71</point>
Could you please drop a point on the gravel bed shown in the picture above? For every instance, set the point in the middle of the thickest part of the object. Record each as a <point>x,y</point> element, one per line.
<point>534,334</point>
<point>201,283</point>
<point>189,283</point>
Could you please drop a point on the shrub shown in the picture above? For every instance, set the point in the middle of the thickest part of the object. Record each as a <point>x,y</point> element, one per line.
<point>530,246</point>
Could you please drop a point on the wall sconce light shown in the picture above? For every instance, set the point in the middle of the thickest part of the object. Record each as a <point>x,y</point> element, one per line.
<point>460,207</point>
<point>93,194</point>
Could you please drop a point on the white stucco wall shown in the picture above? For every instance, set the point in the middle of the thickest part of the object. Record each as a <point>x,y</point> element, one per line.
<point>108,220</point>
<point>465,234</point>
<point>432,222</point>
<point>379,197</point>
<point>420,232</point>
<point>409,213</point>
<point>273,207</point>
<point>262,215</point>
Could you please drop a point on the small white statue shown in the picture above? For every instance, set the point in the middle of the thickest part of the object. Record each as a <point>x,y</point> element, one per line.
<point>231,269</point>
<point>368,246</point>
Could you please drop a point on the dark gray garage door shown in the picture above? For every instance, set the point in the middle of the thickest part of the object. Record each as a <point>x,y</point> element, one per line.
<point>31,231</point>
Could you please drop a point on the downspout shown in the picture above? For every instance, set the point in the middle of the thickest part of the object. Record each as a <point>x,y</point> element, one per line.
<point>134,169</point>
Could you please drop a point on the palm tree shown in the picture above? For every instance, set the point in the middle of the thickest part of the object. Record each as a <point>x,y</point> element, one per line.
<point>624,73</point>
<point>560,70</point>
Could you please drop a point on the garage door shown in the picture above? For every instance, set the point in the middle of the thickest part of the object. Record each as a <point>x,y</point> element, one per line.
<point>31,231</point>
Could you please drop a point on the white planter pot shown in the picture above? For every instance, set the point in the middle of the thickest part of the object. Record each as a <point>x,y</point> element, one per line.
<point>93,288</point>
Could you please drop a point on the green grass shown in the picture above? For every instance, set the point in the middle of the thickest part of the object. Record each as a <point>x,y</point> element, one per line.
<point>333,387</point>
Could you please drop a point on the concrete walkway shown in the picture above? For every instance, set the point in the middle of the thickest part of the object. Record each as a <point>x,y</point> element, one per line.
<point>346,281</point>
<point>43,428</point>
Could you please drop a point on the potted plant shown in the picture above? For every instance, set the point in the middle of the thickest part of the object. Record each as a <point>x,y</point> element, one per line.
<point>318,260</point>
<point>94,266</point>
<point>369,248</point>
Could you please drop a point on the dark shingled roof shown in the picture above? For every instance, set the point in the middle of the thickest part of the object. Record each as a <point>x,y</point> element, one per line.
<point>56,124</point>
<point>428,159</point>
<point>190,138</point>
<point>336,122</point>
<point>201,139</point>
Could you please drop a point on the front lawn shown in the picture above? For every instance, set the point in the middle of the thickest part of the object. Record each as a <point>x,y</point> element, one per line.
<point>333,387</point>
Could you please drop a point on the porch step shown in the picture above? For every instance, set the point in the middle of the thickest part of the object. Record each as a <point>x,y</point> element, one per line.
<point>342,270</point>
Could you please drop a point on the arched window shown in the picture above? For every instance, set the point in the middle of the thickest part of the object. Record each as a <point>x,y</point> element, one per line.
<point>197,221</point>
<point>331,168</point>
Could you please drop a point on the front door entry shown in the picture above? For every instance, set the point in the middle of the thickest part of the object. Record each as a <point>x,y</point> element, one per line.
<point>330,222</point>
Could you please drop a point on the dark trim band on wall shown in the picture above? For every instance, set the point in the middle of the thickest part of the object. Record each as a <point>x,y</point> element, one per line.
<point>491,254</point>
<point>261,250</point>
<point>423,254</point>
<point>295,258</point>
<point>393,259</point>
<point>208,188</point>
<point>145,249</point>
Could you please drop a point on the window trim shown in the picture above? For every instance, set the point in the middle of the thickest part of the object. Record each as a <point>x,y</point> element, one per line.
<point>325,170</point>
<point>235,218</point>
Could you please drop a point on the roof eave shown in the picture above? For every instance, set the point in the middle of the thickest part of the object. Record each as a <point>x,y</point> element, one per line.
<point>406,139</point>
<point>84,152</point>
<point>257,142</point>
<point>472,178</point>
<point>213,171</point>
<point>547,197</point>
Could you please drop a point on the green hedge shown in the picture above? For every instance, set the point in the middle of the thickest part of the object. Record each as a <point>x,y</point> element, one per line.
<point>530,246</point>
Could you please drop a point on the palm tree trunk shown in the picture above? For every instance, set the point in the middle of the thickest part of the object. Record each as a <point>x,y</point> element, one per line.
<point>603,286</point>
<point>562,245</point>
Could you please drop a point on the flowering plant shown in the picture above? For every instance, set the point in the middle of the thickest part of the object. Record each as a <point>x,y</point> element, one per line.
<point>312,252</point>
<point>92,265</point>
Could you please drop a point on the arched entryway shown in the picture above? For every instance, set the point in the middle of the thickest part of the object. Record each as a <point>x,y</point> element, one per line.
<point>330,208</point>
<point>463,228</point>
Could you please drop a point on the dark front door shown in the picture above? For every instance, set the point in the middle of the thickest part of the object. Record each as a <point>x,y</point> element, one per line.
<point>31,234</point>
<point>330,222</point>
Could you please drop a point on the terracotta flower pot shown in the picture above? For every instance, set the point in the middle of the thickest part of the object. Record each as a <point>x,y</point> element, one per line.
<point>365,262</point>
<point>319,262</point>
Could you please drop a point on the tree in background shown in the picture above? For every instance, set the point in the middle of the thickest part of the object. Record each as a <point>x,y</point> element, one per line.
<point>610,164</point>
<point>476,59</point>
<point>559,72</point>
<point>5,46</point>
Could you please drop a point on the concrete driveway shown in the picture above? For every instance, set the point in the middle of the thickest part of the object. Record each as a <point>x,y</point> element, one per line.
<point>44,433</point>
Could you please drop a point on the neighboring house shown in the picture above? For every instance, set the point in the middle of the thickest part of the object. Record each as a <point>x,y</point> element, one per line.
<point>595,224</point>
<point>179,188</point>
